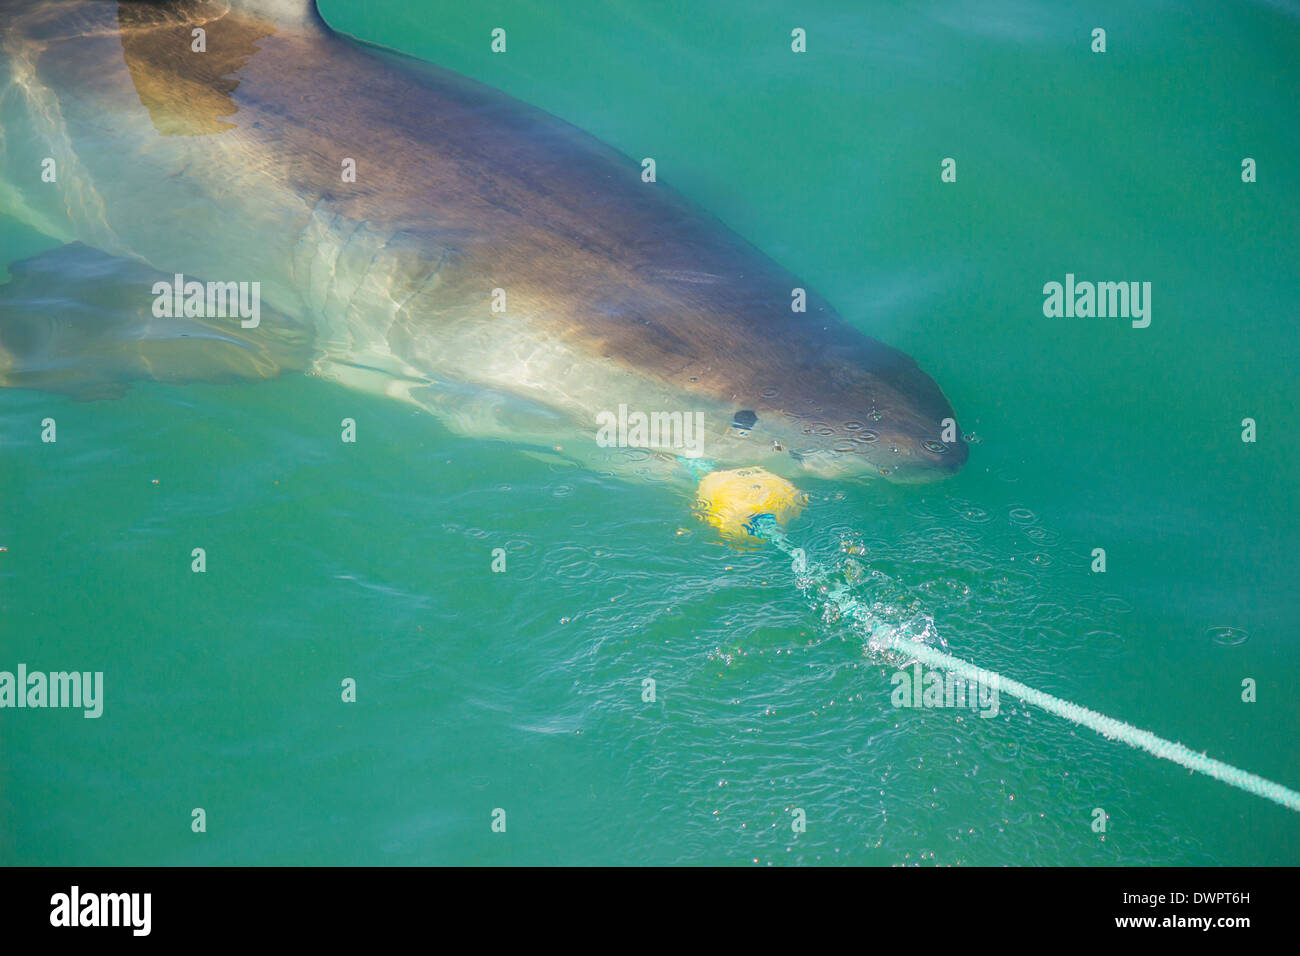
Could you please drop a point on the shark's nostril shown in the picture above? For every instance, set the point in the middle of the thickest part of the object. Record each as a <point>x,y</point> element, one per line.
<point>933,446</point>
<point>744,420</point>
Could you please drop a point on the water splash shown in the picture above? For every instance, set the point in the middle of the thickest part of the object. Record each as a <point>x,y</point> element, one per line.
<point>888,631</point>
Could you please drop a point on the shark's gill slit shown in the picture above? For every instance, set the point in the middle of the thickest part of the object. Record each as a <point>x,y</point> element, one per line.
<point>767,528</point>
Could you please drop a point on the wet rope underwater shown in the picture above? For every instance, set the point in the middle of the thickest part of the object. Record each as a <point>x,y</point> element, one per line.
<point>764,526</point>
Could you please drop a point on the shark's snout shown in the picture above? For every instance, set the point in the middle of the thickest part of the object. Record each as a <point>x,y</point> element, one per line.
<point>896,455</point>
<point>827,400</point>
<point>887,422</point>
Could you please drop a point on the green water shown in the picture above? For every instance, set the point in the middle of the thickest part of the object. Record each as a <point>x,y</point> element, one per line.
<point>523,690</point>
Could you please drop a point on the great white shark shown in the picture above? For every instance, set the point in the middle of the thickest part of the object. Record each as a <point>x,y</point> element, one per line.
<point>226,164</point>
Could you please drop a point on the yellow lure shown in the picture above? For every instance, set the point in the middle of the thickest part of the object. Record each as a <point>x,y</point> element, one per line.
<point>728,500</point>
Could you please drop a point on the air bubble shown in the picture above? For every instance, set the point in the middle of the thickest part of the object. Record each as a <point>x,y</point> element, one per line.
<point>972,513</point>
<point>1226,636</point>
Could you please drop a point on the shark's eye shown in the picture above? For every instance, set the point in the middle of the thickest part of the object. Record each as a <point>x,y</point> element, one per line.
<point>744,420</point>
<point>931,445</point>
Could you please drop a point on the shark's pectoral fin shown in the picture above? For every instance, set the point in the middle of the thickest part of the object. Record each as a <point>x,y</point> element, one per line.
<point>79,322</point>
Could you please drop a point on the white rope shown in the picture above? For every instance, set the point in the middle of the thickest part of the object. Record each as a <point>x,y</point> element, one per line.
<point>764,526</point>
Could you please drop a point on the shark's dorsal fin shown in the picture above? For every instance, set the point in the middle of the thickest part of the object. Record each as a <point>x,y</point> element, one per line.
<point>281,13</point>
<point>287,13</point>
<point>188,95</point>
